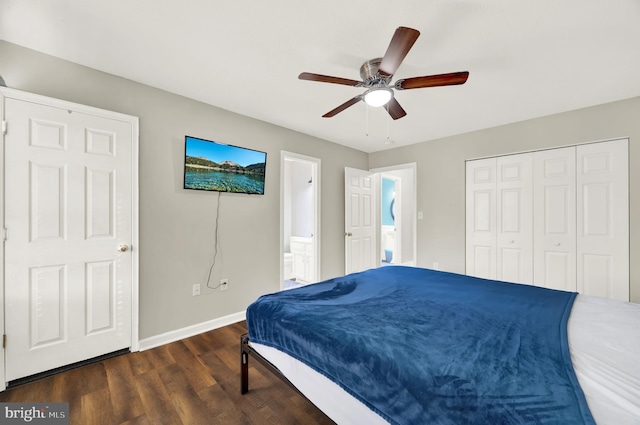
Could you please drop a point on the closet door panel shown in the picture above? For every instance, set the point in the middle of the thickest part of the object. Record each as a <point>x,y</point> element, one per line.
<point>603,219</point>
<point>514,218</point>
<point>481,218</point>
<point>554,227</point>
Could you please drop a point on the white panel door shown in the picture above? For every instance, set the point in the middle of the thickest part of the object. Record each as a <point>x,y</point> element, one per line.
<point>554,215</point>
<point>514,217</point>
<point>68,191</point>
<point>360,220</point>
<point>481,218</point>
<point>603,219</point>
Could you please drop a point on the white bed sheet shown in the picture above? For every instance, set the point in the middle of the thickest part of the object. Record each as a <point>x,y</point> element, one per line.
<point>604,341</point>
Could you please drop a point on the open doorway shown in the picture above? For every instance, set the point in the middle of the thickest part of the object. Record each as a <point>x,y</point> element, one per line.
<point>390,207</point>
<point>397,219</point>
<point>299,215</point>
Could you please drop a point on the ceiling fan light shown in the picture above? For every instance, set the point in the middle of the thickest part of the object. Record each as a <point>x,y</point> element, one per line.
<point>378,97</point>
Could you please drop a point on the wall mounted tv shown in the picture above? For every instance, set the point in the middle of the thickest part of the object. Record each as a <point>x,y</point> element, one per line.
<point>214,166</point>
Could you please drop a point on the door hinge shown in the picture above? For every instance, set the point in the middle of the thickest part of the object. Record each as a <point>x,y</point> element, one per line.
<point>4,340</point>
<point>4,234</point>
<point>4,127</point>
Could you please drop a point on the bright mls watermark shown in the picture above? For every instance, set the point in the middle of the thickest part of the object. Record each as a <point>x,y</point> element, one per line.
<point>34,413</point>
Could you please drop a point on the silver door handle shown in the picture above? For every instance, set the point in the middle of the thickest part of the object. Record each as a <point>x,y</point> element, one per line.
<point>123,248</point>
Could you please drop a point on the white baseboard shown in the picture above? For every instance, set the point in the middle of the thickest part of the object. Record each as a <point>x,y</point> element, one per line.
<point>189,331</point>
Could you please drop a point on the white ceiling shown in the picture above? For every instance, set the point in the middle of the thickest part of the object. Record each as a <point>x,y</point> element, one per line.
<point>526,58</point>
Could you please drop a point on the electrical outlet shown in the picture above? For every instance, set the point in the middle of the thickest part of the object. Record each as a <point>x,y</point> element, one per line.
<point>224,284</point>
<point>436,266</point>
<point>196,289</point>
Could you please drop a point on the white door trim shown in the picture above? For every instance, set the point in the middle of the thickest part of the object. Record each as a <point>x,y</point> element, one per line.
<point>7,93</point>
<point>315,166</point>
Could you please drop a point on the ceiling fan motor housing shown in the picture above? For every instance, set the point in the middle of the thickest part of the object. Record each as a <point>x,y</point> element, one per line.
<point>370,75</point>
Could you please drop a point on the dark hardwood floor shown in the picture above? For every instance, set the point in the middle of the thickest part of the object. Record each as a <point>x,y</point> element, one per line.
<point>192,381</point>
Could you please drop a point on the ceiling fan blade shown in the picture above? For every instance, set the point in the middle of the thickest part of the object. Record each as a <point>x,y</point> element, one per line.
<point>450,79</point>
<point>344,106</point>
<point>394,109</point>
<point>328,79</point>
<point>400,45</point>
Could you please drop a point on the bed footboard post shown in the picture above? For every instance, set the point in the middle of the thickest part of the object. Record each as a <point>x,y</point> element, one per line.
<point>244,364</point>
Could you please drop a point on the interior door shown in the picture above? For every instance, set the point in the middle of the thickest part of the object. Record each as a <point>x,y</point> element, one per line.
<point>360,220</point>
<point>68,215</point>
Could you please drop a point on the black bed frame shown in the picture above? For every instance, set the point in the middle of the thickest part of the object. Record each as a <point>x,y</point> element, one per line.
<point>245,350</point>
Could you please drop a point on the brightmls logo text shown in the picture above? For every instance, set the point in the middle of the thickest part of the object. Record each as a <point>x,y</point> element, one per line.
<point>34,413</point>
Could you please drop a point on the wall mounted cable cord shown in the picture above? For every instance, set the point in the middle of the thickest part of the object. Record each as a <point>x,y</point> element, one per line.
<point>215,246</point>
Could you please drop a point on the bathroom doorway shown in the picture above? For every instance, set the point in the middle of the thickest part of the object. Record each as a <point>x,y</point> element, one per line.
<point>300,220</point>
<point>390,219</point>
<point>397,220</point>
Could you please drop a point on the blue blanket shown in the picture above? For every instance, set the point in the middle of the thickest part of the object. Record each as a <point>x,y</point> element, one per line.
<point>420,346</point>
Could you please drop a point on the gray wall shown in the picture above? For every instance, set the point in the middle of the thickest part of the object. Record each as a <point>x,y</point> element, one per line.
<point>441,173</point>
<point>177,226</point>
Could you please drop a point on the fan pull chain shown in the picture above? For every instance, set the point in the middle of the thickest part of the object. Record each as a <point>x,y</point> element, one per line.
<point>388,119</point>
<point>366,130</point>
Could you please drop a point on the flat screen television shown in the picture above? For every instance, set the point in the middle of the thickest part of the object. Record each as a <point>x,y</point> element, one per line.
<point>214,166</point>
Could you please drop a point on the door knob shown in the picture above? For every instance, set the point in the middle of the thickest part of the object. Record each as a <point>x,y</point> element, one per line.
<point>348,234</point>
<point>122,248</point>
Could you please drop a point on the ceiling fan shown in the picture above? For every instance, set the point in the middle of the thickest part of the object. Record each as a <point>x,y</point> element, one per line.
<point>377,73</point>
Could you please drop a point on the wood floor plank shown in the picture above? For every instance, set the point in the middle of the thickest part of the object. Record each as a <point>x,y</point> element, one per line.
<point>194,371</point>
<point>159,356</point>
<point>96,408</point>
<point>217,368</point>
<point>185,400</point>
<point>140,362</point>
<point>224,409</point>
<point>156,400</point>
<point>189,382</point>
<point>65,390</point>
<point>125,399</point>
<point>200,344</point>
<point>139,420</point>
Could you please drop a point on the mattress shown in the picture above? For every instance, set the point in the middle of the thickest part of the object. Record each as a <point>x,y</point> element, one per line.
<point>604,342</point>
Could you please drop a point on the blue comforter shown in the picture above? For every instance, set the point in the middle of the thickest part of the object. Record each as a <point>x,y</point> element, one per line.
<point>419,346</point>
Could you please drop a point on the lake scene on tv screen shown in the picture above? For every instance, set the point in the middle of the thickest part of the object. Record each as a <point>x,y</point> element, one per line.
<point>224,168</point>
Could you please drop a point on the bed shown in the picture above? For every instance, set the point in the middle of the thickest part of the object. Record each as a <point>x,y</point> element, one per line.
<point>405,345</point>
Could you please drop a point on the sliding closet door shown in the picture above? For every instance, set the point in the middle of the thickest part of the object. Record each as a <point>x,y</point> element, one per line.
<point>554,212</point>
<point>481,218</point>
<point>514,239</point>
<point>603,219</point>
